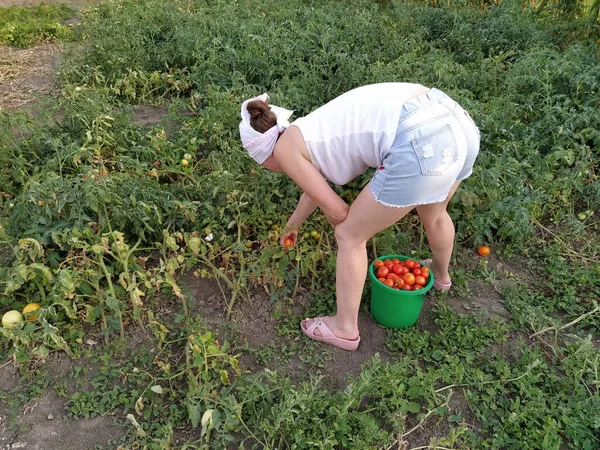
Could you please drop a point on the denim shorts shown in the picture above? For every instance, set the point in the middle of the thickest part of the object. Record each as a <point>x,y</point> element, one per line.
<point>436,144</point>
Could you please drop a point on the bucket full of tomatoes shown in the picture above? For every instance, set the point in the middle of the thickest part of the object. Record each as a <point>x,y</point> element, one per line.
<point>398,286</point>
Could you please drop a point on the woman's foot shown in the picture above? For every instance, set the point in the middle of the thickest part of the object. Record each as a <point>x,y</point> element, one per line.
<point>324,329</point>
<point>439,283</point>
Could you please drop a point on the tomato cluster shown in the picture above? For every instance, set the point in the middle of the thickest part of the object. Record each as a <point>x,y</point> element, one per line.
<point>407,275</point>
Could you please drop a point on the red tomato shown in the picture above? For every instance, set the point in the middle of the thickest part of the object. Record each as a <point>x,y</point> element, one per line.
<point>417,265</point>
<point>377,263</point>
<point>392,276</point>
<point>381,279</point>
<point>383,272</point>
<point>287,242</point>
<point>416,287</point>
<point>420,280</point>
<point>388,282</point>
<point>388,263</point>
<point>397,269</point>
<point>400,283</point>
<point>407,287</point>
<point>395,260</point>
<point>405,270</point>
<point>409,279</point>
<point>425,272</point>
<point>409,263</point>
<point>416,272</point>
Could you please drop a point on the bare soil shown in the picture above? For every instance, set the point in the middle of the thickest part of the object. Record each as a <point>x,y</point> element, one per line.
<point>254,323</point>
<point>42,423</point>
<point>26,74</point>
<point>43,426</point>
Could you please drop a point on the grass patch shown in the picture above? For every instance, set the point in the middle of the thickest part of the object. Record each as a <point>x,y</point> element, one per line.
<point>24,27</point>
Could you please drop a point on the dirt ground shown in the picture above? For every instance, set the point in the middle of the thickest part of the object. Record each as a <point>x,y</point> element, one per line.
<point>253,323</point>
<point>26,74</point>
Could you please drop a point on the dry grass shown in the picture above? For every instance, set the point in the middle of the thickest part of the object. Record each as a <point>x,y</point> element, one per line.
<point>14,63</point>
<point>25,73</point>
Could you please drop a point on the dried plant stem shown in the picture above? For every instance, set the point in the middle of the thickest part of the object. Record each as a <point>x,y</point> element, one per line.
<point>571,323</point>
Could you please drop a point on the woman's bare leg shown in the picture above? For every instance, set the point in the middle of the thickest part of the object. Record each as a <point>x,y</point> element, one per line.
<point>440,235</point>
<point>365,218</point>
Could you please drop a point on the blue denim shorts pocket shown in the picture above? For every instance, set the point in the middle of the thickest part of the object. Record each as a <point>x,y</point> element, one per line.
<point>436,151</point>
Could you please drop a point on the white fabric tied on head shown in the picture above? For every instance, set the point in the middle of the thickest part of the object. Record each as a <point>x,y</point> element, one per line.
<point>260,145</point>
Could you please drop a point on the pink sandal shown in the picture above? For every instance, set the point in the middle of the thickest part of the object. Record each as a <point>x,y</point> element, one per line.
<point>327,336</point>
<point>437,285</point>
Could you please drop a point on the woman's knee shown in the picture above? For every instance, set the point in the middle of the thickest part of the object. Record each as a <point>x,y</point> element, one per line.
<point>432,215</point>
<point>436,221</point>
<point>346,237</point>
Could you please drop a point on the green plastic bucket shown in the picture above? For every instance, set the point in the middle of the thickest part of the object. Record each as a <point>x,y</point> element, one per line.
<point>395,308</point>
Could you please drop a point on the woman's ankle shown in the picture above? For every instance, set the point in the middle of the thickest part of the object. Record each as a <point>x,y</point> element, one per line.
<point>346,330</point>
<point>443,276</point>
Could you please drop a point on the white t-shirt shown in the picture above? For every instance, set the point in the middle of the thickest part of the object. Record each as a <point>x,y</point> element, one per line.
<point>355,130</point>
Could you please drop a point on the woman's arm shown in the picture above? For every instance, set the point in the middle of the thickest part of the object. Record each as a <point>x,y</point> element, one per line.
<point>306,206</point>
<point>304,209</point>
<point>289,157</point>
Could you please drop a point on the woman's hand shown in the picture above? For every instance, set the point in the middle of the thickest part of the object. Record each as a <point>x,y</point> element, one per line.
<point>290,236</point>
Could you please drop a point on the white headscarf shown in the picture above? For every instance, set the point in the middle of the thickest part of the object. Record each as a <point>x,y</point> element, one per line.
<point>261,145</point>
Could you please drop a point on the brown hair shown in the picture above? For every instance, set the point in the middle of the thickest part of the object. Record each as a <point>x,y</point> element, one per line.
<point>261,116</point>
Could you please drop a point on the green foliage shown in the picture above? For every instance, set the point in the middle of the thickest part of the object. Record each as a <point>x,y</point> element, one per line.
<point>272,413</point>
<point>534,406</point>
<point>25,26</point>
<point>501,64</point>
<point>459,335</point>
<point>518,397</point>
